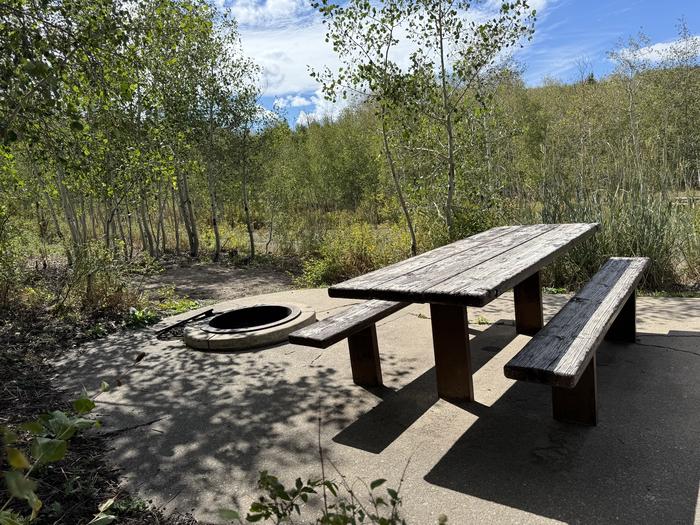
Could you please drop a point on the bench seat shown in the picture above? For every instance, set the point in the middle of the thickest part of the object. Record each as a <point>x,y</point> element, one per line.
<point>357,324</point>
<point>562,354</point>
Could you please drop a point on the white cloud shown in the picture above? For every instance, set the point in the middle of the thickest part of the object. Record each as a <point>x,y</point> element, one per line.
<point>299,102</point>
<point>661,50</point>
<point>285,53</point>
<point>269,13</point>
<point>294,101</point>
<point>323,109</point>
<point>286,38</point>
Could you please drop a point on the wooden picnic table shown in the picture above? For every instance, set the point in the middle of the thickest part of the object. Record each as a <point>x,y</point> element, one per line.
<point>471,272</point>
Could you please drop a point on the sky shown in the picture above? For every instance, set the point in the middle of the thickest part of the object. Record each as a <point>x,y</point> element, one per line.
<point>285,37</point>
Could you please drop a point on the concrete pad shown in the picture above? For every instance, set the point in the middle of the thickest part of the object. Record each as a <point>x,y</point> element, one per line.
<point>192,429</point>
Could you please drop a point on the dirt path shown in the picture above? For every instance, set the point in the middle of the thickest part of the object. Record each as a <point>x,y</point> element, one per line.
<point>216,282</point>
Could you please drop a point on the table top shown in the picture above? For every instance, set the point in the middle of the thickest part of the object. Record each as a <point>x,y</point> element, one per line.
<point>470,272</point>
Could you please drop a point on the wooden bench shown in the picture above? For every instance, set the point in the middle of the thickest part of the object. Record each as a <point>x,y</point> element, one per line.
<point>357,324</point>
<point>562,354</point>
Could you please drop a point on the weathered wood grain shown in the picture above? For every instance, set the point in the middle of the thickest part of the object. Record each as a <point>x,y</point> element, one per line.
<point>471,272</point>
<point>560,352</point>
<point>337,327</point>
<point>485,282</point>
<point>578,404</point>
<point>378,277</point>
<point>453,361</point>
<point>418,281</point>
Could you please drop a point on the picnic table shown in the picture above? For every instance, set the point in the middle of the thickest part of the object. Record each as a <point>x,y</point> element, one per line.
<point>471,272</point>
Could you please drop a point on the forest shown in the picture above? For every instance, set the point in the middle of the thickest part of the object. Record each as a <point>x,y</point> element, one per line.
<point>134,134</point>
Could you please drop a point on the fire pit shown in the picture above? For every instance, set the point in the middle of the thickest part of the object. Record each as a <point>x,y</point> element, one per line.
<point>248,326</point>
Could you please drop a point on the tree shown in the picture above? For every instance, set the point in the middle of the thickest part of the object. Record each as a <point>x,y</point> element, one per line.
<point>452,54</point>
<point>48,48</point>
<point>364,36</point>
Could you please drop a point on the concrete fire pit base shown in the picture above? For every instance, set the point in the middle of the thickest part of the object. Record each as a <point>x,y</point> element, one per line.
<point>203,335</point>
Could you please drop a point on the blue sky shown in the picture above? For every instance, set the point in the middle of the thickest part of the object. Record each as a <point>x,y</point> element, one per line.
<point>286,36</point>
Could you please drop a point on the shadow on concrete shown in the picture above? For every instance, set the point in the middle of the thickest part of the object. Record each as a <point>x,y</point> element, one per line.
<point>178,406</point>
<point>639,465</point>
<point>382,425</point>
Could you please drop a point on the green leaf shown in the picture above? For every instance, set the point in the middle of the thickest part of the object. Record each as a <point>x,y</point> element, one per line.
<point>46,450</point>
<point>331,487</point>
<point>35,427</point>
<point>377,483</point>
<point>229,514</point>
<point>83,405</point>
<point>60,425</point>
<point>35,504</point>
<point>19,486</point>
<point>17,459</point>
<point>8,437</point>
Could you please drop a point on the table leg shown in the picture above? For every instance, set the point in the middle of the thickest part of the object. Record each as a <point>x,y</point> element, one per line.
<point>364,357</point>
<point>453,364</point>
<point>528,305</point>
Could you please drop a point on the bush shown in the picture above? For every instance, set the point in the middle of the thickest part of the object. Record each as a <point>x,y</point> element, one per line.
<point>634,222</point>
<point>353,249</point>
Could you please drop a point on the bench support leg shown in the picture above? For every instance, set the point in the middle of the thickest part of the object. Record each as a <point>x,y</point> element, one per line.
<point>578,404</point>
<point>624,328</point>
<point>364,357</point>
<point>453,364</point>
<point>528,305</point>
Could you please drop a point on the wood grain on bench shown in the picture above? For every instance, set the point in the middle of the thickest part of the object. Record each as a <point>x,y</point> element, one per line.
<point>559,353</point>
<point>338,327</point>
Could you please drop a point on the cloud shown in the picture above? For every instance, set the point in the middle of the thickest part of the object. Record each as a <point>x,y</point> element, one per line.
<point>662,51</point>
<point>323,109</point>
<point>269,13</point>
<point>294,101</point>
<point>286,38</point>
<point>285,53</point>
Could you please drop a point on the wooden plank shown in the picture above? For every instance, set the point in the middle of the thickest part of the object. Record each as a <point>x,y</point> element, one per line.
<point>338,327</point>
<point>473,276</point>
<point>415,283</point>
<point>485,282</point>
<point>378,277</point>
<point>624,329</point>
<point>560,352</point>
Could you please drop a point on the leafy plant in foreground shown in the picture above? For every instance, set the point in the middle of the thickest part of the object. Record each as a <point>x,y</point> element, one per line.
<point>50,435</point>
<point>341,506</point>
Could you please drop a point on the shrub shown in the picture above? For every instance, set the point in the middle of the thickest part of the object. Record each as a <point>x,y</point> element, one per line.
<point>352,249</point>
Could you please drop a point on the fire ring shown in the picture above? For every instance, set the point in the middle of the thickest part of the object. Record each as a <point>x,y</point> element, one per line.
<point>248,326</point>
